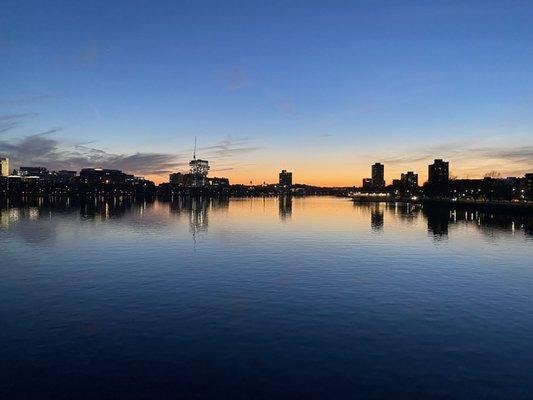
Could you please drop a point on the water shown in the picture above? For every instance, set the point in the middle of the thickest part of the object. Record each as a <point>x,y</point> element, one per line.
<point>263,298</point>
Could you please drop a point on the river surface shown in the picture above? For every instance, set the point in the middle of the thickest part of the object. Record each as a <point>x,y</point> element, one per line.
<point>275,298</point>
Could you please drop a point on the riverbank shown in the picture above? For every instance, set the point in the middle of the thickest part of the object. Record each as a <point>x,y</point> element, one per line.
<point>486,205</point>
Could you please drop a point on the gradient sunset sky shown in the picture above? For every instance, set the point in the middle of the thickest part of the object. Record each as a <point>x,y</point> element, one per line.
<point>322,88</point>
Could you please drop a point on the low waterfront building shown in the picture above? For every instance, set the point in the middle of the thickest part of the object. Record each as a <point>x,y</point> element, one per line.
<point>40,172</point>
<point>367,183</point>
<point>102,176</point>
<point>217,182</point>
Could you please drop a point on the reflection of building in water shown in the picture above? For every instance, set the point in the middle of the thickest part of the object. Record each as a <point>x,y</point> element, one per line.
<point>106,208</point>
<point>376,218</point>
<point>285,206</point>
<point>438,221</point>
<point>198,214</point>
<point>197,208</point>
<point>4,218</point>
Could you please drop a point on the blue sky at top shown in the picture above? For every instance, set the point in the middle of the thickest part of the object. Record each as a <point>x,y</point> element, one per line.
<point>266,85</point>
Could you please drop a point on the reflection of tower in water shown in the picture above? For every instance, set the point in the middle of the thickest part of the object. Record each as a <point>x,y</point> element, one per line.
<point>376,218</point>
<point>197,209</point>
<point>198,216</point>
<point>285,207</point>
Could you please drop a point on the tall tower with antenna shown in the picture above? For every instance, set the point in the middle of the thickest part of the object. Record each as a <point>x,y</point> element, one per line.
<point>198,169</point>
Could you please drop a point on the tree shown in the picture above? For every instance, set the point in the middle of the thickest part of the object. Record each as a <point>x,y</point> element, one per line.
<point>493,175</point>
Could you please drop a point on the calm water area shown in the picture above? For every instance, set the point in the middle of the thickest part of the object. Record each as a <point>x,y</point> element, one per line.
<point>287,297</point>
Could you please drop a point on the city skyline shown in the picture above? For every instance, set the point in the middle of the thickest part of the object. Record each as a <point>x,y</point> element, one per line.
<point>321,90</point>
<point>183,167</point>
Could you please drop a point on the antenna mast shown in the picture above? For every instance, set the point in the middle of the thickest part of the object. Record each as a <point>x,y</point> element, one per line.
<point>194,154</point>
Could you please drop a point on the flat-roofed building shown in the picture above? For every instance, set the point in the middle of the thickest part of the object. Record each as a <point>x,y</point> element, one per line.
<point>4,166</point>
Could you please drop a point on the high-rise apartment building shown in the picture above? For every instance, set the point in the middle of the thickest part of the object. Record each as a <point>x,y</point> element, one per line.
<point>439,171</point>
<point>285,179</point>
<point>4,166</point>
<point>378,176</point>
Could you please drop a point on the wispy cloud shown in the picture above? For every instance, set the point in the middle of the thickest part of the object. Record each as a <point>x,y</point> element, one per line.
<point>467,159</point>
<point>517,154</point>
<point>229,148</point>
<point>11,121</point>
<point>25,99</point>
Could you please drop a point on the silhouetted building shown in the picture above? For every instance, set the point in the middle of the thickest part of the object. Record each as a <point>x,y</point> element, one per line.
<point>467,188</point>
<point>367,183</point>
<point>4,166</point>
<point>285,179</point>
<point>40,172</point>
<point>63,176</point>
<point>396,184</point>
<point>103,176</point>
<point>217,182</point>
<point>438,183</point>
<point>528,186</point>
<point>438,172</point>
<point>378,176</point>
<point>487,189</point>
<point>177,179</point>
<point>407,185</point>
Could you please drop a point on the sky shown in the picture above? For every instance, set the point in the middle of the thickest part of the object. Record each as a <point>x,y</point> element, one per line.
<point>321,88</point>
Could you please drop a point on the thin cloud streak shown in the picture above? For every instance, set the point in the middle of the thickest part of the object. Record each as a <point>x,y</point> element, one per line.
<point>468,160</point>
<point>12,121</point>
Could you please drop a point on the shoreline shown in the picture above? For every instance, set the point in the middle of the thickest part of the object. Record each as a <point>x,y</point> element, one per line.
<point>484,205</point>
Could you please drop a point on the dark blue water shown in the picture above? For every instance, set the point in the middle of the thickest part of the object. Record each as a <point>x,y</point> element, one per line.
<point>263,298</point>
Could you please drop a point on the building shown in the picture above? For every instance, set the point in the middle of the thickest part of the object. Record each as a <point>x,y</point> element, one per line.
<point>4,166</point>
<point>63,176</point>
<point>217,182</point>
<point>439,172</point>
<point>438,183</point>
<point>285,179</point>
<point>198,171</point>
<point>528,186</point>
<point>102,176</point>
<point>409,183</point>
<point>409,179</point>
<point>378,176</point>
<point>40,172</point>
<point>177,179</point>
<point>196,177</point>
<point>367,183</point>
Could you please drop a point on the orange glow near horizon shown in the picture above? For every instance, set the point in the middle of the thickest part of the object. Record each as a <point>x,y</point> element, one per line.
<point>326,175</point>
